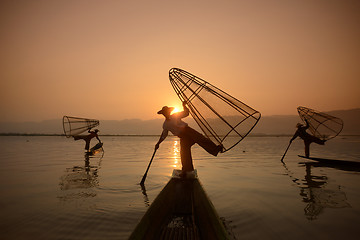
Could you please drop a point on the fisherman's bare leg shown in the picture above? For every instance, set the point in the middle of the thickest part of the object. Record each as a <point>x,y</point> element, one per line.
<point>204,142</point>
<point>185,154</point>
<point>307,149</point>
<point>87,145</point>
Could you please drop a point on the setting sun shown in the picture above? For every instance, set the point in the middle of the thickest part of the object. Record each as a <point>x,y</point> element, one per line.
<point>176,109</point>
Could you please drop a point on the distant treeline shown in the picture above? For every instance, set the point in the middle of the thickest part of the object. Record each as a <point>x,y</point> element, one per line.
<point>277,125</point>
<point>63,135</point>
<point>29,134</point>
<point>150,135</point>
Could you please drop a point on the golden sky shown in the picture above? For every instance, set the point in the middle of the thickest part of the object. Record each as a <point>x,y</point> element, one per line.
<point>109,60</point>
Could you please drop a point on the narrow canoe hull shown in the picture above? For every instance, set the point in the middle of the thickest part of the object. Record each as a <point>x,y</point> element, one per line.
<point>349,166</point>
<point>334,161</point>
<point>182,210</point>
<point>95,149</point>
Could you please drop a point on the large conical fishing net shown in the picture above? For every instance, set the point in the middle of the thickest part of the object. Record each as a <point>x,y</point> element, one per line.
<point>321,125</point>
<point>74,125</point>
<point>222,118</point>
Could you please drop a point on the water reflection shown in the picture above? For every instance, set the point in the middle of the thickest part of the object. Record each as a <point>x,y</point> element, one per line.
<point>175,163</point>
<point>81,177</point>
<point>316,191</point>
<point>318,194</point>
<point>176,154</point>
<point>146,198</point>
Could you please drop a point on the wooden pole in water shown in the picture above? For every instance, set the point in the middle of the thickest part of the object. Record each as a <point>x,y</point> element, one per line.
<point>285,152</point>
<point>144,177</point>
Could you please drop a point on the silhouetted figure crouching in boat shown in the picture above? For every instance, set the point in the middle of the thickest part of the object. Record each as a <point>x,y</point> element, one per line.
<point>187,135</point>
<point>87,138</point>
<point>308,138</point>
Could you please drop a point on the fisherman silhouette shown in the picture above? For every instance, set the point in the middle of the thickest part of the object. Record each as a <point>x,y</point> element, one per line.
<point>87,138</point>
<point>308,138</point>
<point>188,136</point>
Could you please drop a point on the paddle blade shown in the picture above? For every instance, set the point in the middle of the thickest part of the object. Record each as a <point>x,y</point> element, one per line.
<point>144,177</point>
<point>282,159</point>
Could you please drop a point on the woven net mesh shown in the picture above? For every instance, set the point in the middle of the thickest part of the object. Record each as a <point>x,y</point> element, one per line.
<point>222,118</point>
<point>74,125</point>
<point>321,125</point>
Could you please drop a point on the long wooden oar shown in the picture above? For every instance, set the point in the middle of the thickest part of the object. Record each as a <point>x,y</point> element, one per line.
<point>144,177</point>
<point>285,152</point>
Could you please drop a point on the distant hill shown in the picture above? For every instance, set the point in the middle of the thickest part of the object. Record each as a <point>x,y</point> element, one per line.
<point>268,125</point>
<point>44,127</point>
<point>351,120</point>
<point>283,124</point>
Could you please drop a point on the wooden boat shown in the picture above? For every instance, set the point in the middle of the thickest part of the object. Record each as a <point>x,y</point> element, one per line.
<point>334,161</point>
<point>182,210</point>
<point>95,149</point>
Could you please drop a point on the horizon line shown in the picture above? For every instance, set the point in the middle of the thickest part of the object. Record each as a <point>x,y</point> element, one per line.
<point>52,119</point>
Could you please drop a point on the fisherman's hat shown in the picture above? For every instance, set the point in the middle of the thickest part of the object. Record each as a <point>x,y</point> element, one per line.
<point>165,109</point>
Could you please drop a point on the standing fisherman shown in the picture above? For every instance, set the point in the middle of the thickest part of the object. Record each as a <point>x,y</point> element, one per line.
<point>87,138</point>
<point>187,135</point>
<point>308,138</point>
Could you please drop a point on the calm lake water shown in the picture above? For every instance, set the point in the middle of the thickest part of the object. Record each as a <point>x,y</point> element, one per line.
<point>49,190</point>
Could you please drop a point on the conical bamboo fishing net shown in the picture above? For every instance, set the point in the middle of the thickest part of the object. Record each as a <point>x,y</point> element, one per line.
<point>321,125</point>
<point>222,118</point>
<point>74,125</point>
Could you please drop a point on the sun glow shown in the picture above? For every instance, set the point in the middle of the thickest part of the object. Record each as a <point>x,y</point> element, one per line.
<point>176,109</point>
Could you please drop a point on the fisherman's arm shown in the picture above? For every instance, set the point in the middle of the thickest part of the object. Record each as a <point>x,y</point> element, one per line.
<point>185,112</point>
<point>307,124</point>
<point>295,136</point>
<point>164,134</point>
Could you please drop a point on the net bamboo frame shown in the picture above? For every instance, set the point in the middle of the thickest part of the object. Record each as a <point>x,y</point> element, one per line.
<point>222,118</point>
<point>321,125</point>
<point>76,125</point>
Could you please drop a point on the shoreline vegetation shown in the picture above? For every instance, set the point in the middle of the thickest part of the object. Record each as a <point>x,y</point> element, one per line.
<point>276,125</point>
<point>150,135</point>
